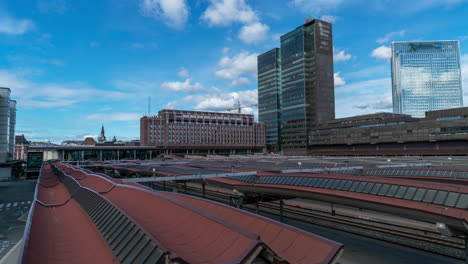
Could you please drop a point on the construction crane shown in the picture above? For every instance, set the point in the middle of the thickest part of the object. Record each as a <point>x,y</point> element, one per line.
<point>239,107</point>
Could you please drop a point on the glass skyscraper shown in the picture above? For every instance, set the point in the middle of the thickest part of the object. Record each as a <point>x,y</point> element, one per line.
<point>305,92</point>
<point>426,76</point>
<point>269,96</point>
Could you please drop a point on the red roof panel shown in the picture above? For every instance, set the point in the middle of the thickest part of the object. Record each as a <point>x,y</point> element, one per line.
<point>64,234</point>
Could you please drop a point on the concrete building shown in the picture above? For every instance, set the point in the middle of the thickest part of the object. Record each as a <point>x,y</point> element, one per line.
<point>306,93</point>
<point>426,76</point>
<point>439,132</point>
<point>193,132</point>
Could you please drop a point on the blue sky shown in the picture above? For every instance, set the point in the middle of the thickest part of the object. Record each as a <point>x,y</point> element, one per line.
<point>74,65</point>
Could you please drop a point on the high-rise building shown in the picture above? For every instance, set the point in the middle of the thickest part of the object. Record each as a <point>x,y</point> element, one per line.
<point>306,92</point>
<point>426,76</point>
<point>4,122</point>
<point>11,140</point>
<point>269,96</point>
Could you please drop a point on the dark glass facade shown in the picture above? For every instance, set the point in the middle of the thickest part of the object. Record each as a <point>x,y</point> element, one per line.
<point>269,96</point>
<point>306,93</point>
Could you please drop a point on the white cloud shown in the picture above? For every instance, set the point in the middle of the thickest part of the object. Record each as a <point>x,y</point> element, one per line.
<point>382,53</point>
<point>339,81</point>
<point>340,55</point>
<point>184,86</point>
<point>365,97</point>
<point>390,36</point>
<point>254,32</point>
<point>34,95</point>
<point>174,13</point>
<point>227,12</point>
<point>364,87</point>
<point>94,44</point>
<point>218,100</point>
<point>184,73</point>
<point>329,18</point>
<point>114,117</point>
<point>317,6</point>
<point>222,101</point>
<point>13,26</point>
<point>225,50</point>
<point>242,63</point>
<point>464,73</point>
<point>240,82</point>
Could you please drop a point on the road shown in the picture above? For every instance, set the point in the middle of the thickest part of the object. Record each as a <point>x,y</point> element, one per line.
<point>15,201</point>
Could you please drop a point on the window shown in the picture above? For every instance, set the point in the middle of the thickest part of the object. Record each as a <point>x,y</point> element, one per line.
<point>401,192</point>
<point>312,182</point>
<point>369,187</point>
<point>295,180</point>
<point>319,182</point>
<point>329,183</point>
<point>392,191</point>
<point>462,202</point>
<point>335,184</point>
<point>384,189</point>
<point>376,188</point>
<point>302,181</point>
<point>410,193</point>
<point>347,185</point>
<point>341,184</point>
<point>354,186</point>
<point>419,194</point>
<point>440,197</point>
<point>361,187</point>
<point>430,195</point>
<point>452,199</point>
<point>324,183</point>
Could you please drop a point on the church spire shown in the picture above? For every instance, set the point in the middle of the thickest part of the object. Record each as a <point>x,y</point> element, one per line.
<point>102,137</point>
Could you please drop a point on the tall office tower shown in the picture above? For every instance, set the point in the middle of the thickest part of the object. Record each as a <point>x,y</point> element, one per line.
<point>269,96</point>
<point>11,141</point>
<point>307,86</point>
<point>4,122</point>
<point>426,76</point>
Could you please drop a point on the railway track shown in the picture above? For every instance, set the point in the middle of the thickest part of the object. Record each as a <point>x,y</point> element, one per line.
<point>411,236</point>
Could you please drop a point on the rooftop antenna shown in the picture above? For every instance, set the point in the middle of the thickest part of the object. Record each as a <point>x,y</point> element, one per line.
<point>149,105</point>
<point>309,18</point>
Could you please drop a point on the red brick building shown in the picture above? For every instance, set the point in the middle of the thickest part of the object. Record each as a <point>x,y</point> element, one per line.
<point>21,148</point>
<point>193,132</point>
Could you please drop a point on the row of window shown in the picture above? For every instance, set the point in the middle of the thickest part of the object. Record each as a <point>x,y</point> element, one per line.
<point>427,173</point>
<point>419,194</point>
